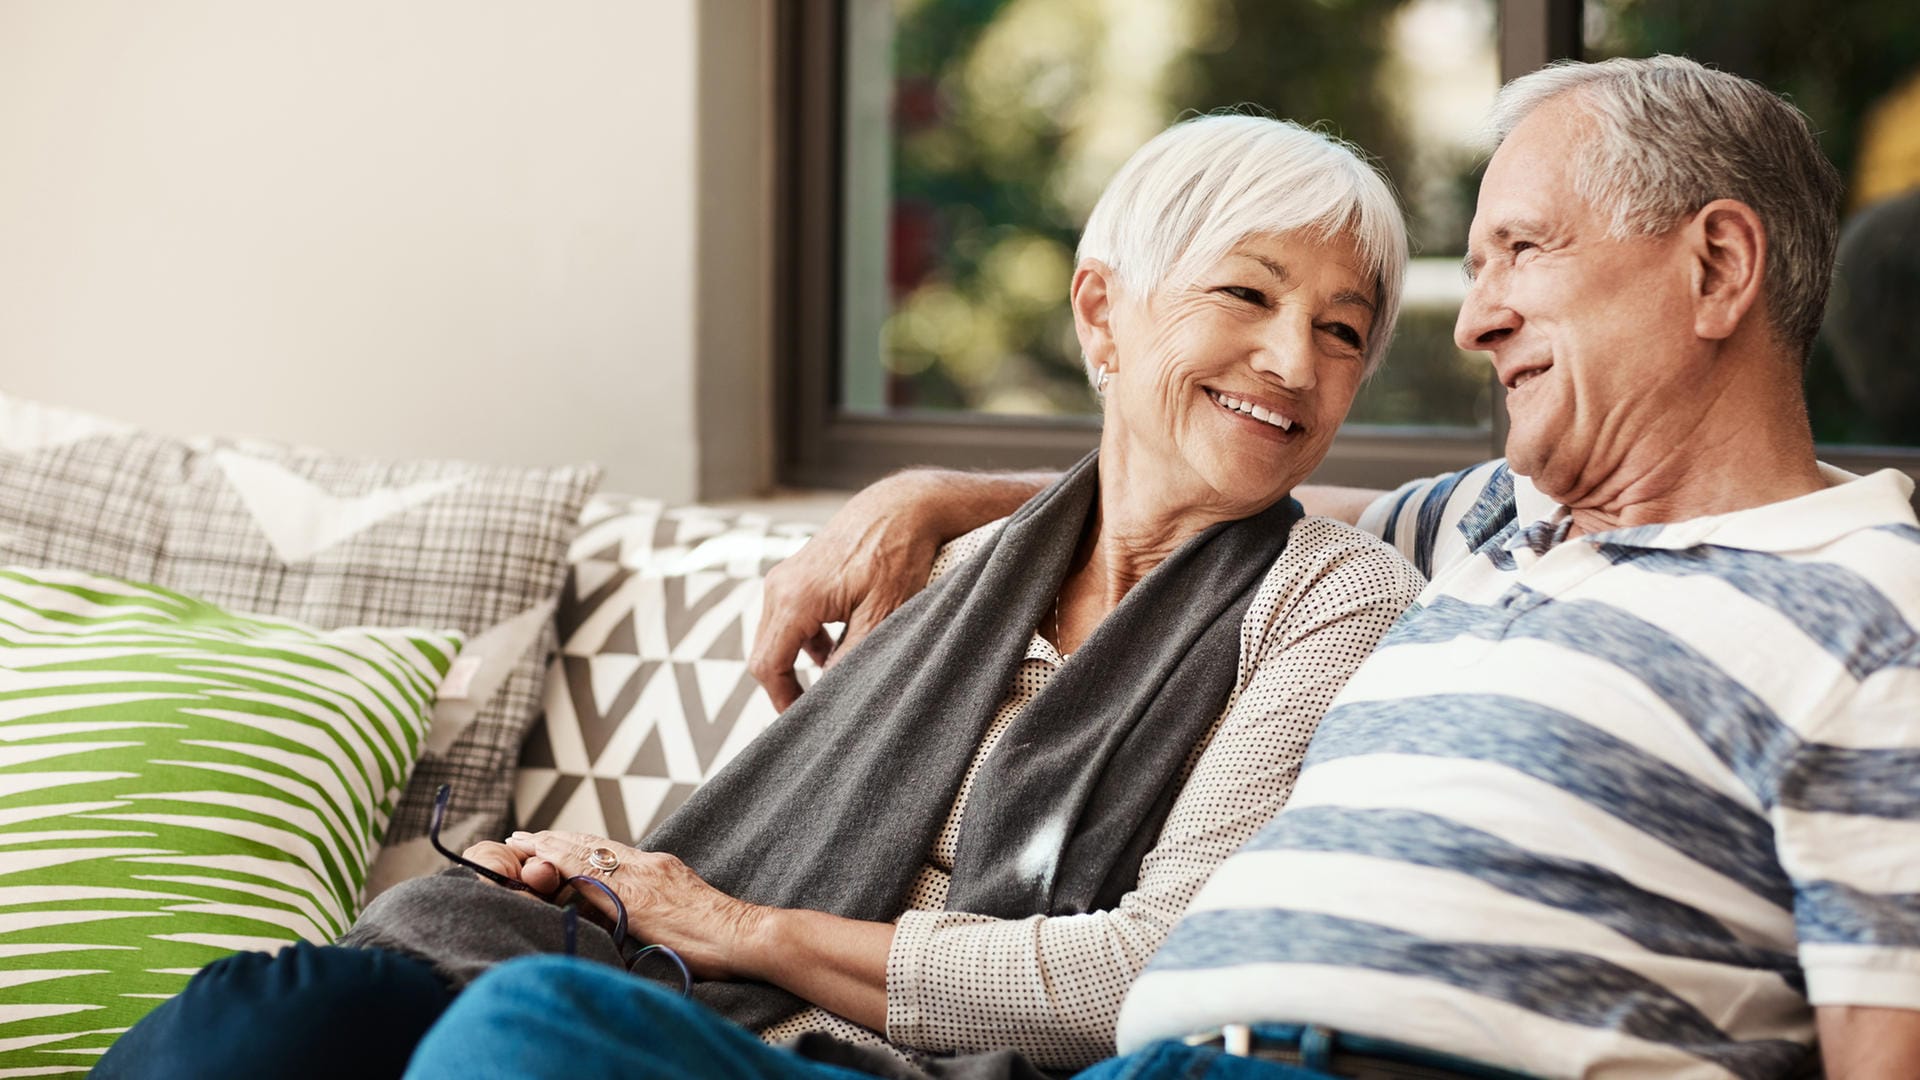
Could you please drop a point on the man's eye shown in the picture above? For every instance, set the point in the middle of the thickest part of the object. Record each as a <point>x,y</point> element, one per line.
<point>1519,246</point>
<point>1250,295</point>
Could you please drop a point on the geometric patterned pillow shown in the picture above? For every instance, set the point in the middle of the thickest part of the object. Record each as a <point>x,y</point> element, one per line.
<point>178,782</point>
<point>329,541</point>
<point>649,695</point>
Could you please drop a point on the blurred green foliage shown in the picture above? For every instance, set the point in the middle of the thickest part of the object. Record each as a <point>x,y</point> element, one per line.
<point>1002,140</point>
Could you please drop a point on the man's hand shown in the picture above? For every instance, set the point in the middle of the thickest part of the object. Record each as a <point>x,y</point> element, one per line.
<point>874,555</point>
<point>865,563</point>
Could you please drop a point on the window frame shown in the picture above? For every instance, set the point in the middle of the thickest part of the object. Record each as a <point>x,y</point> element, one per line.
<point>819,445</point>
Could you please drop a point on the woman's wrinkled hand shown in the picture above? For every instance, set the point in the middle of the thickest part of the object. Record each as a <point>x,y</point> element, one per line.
<point>667,903</point>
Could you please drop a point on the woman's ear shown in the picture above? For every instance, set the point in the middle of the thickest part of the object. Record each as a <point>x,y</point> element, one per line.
<point>1095,294</point>
<point>1727,246</point>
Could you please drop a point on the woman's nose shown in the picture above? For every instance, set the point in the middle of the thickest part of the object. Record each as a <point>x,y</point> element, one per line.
<point>1288,355</point>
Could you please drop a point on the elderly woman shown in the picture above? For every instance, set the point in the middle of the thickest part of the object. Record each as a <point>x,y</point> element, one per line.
<point>972,833</point>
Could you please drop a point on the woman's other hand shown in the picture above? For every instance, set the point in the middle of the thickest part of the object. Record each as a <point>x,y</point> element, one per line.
<point>496,856</point>
<point>667,903</point>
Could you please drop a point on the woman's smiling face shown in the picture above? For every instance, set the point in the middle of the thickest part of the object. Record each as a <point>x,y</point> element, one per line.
<point>1228,384</point>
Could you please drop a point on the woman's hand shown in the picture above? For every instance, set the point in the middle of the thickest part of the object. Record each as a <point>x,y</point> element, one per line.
<point>667,903</point>
<point>838,964</point>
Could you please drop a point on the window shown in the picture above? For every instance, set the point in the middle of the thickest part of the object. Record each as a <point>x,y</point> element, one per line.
<point>999,125</point>
<point>941,156</point>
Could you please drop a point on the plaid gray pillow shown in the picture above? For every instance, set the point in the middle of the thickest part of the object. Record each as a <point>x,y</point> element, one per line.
<point>331,541</point>
<point>650,693</point>
<point>82,494</point>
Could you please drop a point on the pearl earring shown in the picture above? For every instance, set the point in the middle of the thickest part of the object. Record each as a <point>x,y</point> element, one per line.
<point>1100,381</point>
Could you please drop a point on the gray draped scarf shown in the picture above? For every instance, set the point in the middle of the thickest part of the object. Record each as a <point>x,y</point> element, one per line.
<point>836,806</point>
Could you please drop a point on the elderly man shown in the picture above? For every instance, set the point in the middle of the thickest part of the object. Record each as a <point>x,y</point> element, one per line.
<point>1635,788</point>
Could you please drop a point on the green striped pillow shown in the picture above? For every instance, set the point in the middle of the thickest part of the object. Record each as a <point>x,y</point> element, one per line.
<point>178,782</point>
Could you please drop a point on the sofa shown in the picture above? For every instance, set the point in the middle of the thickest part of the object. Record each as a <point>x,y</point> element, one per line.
<point>234,676</point>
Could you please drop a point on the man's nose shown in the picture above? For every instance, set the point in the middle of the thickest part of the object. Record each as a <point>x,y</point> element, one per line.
<point>1485,317</point>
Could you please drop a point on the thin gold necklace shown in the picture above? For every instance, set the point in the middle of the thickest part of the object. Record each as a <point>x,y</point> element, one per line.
<point>1059,642</point>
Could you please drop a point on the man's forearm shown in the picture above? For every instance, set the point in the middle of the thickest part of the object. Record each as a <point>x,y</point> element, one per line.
<point>948,503</point>
<point>1339,503</point>
<point>1867,1043</point>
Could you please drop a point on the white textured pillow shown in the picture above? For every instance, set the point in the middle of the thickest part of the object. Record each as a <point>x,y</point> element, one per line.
<point>650,694</point>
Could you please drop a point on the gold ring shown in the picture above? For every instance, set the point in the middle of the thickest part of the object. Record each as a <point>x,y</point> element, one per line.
<point>602,860</point>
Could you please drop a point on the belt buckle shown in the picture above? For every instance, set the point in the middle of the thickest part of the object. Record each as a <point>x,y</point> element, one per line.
<point>1234,1040</point>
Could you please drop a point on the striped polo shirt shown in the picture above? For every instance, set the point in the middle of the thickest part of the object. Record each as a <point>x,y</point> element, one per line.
<point>1624,804</point>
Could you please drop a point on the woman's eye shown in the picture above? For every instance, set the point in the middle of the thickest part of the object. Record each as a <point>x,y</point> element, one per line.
<point>1345,333</point>
<point>1519,246</point>
<point>1250,295</point>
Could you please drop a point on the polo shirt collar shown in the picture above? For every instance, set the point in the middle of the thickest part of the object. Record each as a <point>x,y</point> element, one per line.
<point>1847,504</point>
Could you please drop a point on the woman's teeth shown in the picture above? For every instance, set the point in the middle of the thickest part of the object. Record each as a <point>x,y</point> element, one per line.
<point>1248,408</point>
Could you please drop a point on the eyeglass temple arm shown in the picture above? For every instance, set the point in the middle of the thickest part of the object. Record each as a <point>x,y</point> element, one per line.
<point>440,799</point>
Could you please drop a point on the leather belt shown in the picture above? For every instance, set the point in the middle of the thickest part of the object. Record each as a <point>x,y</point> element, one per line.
<point>1319,1048</point>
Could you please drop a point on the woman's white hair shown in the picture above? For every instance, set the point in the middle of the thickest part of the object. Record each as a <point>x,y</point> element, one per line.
<point>1199,188</point>
<point>1671,135</point>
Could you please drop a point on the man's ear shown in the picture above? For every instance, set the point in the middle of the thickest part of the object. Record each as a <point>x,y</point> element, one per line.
<point>1727,246</point>
<point>1094,297</point>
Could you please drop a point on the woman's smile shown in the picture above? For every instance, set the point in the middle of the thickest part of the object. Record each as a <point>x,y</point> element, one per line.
<point>1265,417</point>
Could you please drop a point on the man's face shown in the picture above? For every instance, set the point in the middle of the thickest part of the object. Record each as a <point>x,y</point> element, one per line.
<point>1591,335</point>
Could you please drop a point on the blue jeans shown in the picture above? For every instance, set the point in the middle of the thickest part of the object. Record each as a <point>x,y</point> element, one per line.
<point>307,1011</point>
<point>552,1016</point>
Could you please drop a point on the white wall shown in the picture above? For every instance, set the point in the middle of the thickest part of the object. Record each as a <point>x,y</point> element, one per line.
<point>398,227</point>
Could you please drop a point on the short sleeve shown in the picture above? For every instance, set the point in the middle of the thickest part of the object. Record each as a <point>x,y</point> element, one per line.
<point>1443,519</point>
<point>1847,824</point>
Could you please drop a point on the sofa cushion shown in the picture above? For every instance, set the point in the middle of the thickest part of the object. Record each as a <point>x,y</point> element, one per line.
<point>650,694</point>
<point>79,491</point>
<point>177,782</point>
<point>328,540</point>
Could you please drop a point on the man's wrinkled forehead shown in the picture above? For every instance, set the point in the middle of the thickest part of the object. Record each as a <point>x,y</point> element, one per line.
<point>1528,189</point>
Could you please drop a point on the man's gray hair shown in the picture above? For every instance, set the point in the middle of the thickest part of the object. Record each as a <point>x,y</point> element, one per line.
<point>1197,189</point>
<point>1671,136</point>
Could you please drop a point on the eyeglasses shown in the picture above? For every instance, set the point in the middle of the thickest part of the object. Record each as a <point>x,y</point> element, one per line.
<point>620,939</point>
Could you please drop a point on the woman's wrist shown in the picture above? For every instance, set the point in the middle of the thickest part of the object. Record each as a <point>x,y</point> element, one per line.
<point>836,963</point>
<point>755,941</point>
